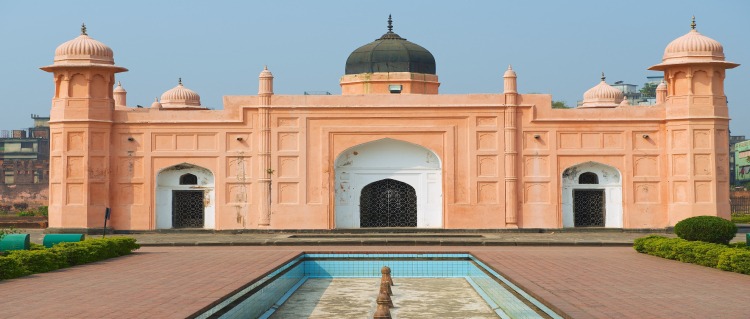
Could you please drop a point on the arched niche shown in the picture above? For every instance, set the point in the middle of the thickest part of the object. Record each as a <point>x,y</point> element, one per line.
<point>587,187</point>
<point>382,159</point>
<point>180,203</point>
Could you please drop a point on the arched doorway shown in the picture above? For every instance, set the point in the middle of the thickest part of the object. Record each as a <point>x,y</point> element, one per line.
<point>388,203</point>
<point>399,162</point>
<point>185,197</point>
<point>592,196</point>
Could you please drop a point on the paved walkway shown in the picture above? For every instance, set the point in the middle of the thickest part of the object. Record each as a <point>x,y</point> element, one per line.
<point>385,238</point>
<point>579,281</point>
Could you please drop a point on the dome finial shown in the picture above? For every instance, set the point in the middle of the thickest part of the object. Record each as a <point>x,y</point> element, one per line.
<point>83,29</point>
<point>692,24</point>
<point>390,24</point>
<point>603,77</point>
<point>179,81</point>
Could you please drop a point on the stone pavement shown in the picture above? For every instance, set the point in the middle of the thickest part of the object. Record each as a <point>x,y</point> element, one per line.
<point>392,237</point>
<point>577,280</point>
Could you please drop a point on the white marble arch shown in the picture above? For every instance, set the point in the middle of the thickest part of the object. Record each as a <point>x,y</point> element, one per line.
<point>168,180</point>
<point>610,180</point>
<point>369,162</point>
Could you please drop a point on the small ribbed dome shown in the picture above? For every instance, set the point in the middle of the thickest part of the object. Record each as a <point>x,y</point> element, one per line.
<point>662,86</point>
<point>693,47</point>
<point>180,96</point>
<point>119,88</point>
<point>509,73</point>
<point>156,104</point>
<point>602,95</point>
<point>390,53</point>
<point>694,44</point>
<point>84,49</point>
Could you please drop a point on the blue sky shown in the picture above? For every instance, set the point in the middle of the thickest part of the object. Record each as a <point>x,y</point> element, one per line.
<point>219,47</point>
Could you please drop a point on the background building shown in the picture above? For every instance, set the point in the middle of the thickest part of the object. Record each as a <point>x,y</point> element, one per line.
<point>24,162</point>
<point>742,162</point>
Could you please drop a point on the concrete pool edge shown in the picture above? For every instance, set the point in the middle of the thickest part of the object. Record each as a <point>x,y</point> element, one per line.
<point>342,261</point>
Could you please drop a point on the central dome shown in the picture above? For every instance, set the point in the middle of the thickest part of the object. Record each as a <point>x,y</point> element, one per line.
<point>390,53</point>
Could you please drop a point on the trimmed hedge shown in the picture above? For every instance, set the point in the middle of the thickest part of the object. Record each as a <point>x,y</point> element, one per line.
<point>710,229</point>
<point>733,258</point>
<point>19,263</point>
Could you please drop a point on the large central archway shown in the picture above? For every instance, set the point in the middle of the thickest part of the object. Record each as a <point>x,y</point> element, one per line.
<point>390,168</point>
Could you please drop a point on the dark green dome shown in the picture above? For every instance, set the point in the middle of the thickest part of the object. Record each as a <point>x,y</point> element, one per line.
<point>390,53</point>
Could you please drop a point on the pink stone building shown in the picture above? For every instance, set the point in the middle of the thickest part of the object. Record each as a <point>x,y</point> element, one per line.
<point>389,152</point>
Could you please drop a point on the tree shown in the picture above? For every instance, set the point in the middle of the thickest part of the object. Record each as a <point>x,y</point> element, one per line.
<point>559,105</point>
<point>648,90</point>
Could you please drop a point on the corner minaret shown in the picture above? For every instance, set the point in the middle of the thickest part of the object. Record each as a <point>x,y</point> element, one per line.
<point>511,149</point>
<point>265,92</point>
<point>120,95</point>
<point>390,65</point>
<point>80,129</point>
<point>697,123</point>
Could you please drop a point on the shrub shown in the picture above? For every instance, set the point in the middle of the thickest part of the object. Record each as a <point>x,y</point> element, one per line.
<point>36,261</point>
<point>736,261</point>
<point>42,211</point>
<point>20,206</point>
<point>734,257</point>
<point>25,213</point>
<point>11,268</point>
<point>709,229</point>
<point>91,250</point>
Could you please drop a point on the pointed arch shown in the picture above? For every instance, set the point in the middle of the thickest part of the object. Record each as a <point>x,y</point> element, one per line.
<point>592,196</point>
<point>418,167</point>
<point>185,197</point>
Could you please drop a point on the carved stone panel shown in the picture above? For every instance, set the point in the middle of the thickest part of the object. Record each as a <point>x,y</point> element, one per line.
<point>75,141</point>
<point>591,140</point>
<point>535,141</point>
<point>98,141</point>
<point>185,142</point>
<point>288,141</point>
<point>487,141</point>
<point>569,141</point>
<point>680,192</point>
<point>487,193</point>
<point>239,142</point>
<point>645,166</point>
<point>536,193</point>
<point>702,139</point>
<point>703,192</point>
<point>536,166</point>
<point>646,193</point>
<point>679,165</point>
<point>163,142</point>
<point>613,140</point>
<point>75,167</point>
<point>288,166</point>
<point>679,139</point>
<point>239,168</point>
<point>288,193</point>
<point>702,165</point>
<point>206,142</point>
<point>75,194</point>
<point>487,166</point>
<point>288,122</point>
<point>645,140</point>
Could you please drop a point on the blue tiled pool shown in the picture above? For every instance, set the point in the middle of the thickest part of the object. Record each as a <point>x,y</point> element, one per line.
<point>261,298</point>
